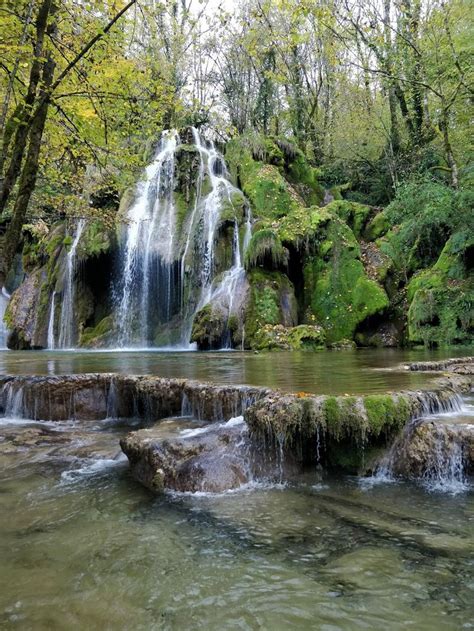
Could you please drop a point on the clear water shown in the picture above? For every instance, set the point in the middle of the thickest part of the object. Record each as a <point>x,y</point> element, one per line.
<point>83,546</point>
<point>327,372</point>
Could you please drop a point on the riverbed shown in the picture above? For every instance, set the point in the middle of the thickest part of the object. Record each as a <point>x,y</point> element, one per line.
<point>83,546</point>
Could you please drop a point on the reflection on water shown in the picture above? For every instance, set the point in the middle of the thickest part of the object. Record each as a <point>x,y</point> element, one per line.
<point>337,372</point>
<point>84,547</point>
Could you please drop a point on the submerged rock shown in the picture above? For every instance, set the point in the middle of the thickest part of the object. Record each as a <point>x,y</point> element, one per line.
<point>212,459</point>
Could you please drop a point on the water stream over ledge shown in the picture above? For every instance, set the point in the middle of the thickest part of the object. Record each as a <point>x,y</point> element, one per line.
<point>84,546</point>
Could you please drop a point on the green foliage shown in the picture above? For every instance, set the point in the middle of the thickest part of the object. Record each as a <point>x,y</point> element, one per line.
<point>266,247</point>
<point>94,240</point>
<point>424,214</point>
<point>442,298</point>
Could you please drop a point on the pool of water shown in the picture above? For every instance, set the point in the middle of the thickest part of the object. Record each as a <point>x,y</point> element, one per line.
<point>329,372</point>
<point>85,547</point>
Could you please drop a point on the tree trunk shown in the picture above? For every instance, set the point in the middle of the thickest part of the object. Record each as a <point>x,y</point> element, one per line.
<point>22,127</point>
<point>29,172</point>
<point>448,149</point>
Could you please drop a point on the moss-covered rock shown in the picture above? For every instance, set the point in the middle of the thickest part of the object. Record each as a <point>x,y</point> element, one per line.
<point>279,337</point>
<point>355,215</point>
<point>265,249</point>
<point>270,194</point>
<point>442,298</point>
<point>209,327</point>
<point>341,295</point>
<point>377,227</point>
<point>99,336</point>
<point>271,302</point>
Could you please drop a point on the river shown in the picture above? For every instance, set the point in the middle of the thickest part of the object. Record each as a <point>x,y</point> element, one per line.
<point>83,546</point>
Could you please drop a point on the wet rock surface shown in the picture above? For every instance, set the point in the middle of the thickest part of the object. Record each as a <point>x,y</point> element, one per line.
<point>459,365</point>
<point>216,460</point>
<point>434,449</point>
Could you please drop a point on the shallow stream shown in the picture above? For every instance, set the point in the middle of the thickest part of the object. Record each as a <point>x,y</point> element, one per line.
<point>83,546</point>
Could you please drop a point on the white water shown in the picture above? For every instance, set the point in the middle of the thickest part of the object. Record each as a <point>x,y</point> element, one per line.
<point>67,333</point>
<point>149,242</point>
<point>445,470</point>
<point>4,298</point>
<point>51,343</point>
<point>169,270</point>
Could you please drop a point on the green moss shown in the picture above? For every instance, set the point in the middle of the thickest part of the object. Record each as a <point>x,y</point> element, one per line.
<point>306,178</point>
<point>279,337</point>
<point>377,227</point>
<point>271,302</point>
<point>208,328</point>
<point>265,247</point>
<point>267,182</point>
<point>232,207</point>
<point>306,337</point>
<point>381,413</point>
<point>353,214</point>
<point>340,294</point>
<point>95,337</point>
<point>441,298</point>
<point>332,415</point>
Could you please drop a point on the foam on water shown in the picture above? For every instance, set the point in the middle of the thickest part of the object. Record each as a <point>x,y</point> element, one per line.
<point>92,467</point>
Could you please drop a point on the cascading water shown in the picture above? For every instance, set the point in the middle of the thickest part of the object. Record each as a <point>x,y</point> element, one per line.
<point>150,233</point>
<point>433,448</point>
<point>66,327</point>
<point>4,298</point>
<point>51,343</point>
<point>169,261</point>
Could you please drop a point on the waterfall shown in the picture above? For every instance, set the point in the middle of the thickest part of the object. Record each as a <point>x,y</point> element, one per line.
<point>434,449</point>
<point>66,325</point>
<point>149,244</point>
<point>51,322</point>
<point>169,262</point>
<point>4,298</point>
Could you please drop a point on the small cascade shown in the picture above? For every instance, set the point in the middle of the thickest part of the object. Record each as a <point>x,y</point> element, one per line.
<point>66,326</point>
<point>112,401</point>
<point>446,468</point>
<point>13,401</point>
<point>4,298</point>
<point>170,267</point>
<point>434,448</point>
<point>51,344</point>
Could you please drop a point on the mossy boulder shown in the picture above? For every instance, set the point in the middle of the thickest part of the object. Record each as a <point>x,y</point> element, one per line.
<point>442,298</point>
<point>99,336</point>
<point>271,302</point>
<point>377,227</point>
<point>355,215</point>
<point>279,337</point>
<point>209,327</point>
<point>271,195</point>
<point>341,295</point>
